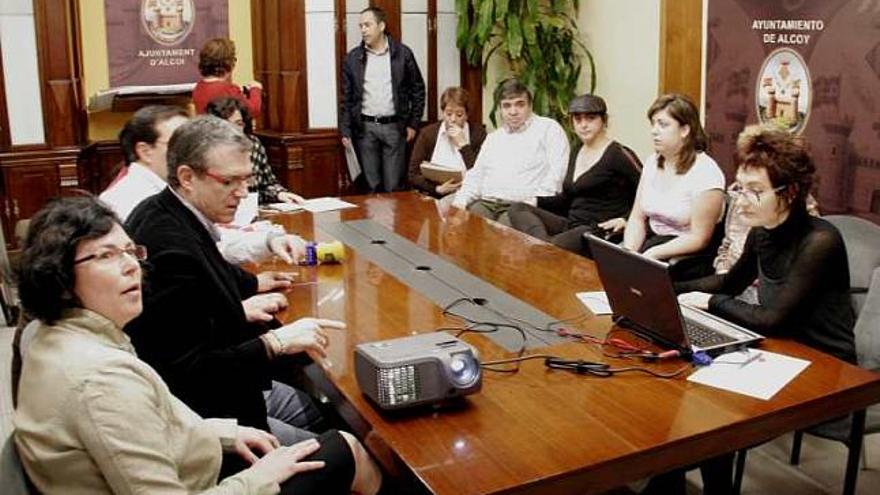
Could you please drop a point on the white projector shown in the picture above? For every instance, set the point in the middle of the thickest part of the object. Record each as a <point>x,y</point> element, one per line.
<point>417,370</point>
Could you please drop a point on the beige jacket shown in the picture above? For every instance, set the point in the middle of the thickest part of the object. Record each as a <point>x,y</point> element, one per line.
<point>92,418</point>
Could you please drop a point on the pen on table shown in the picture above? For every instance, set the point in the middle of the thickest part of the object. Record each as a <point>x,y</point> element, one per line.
<point>754,357</point>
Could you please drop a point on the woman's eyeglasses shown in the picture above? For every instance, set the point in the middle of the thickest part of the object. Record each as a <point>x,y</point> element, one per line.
<point>737,190</point>
<point>114,254</point>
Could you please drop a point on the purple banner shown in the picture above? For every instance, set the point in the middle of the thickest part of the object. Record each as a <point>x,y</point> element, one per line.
<point>157,42</point>
<point>813,67</point>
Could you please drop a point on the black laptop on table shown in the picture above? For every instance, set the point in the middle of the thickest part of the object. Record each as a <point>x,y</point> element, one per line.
<point>642,298</point>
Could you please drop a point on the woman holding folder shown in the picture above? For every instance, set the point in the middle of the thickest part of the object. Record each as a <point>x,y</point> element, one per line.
<point>446,147</point>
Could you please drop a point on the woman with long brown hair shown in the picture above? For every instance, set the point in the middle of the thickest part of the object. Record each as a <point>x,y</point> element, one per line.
<point>680,197</point>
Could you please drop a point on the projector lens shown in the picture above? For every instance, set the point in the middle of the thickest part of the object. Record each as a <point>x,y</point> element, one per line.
<point>463,368</point>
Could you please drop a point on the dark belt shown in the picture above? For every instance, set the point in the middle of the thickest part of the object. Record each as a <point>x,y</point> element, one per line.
<point>379,120</point>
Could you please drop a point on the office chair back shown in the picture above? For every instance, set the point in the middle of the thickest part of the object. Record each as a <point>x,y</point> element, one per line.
<point>862,239</point>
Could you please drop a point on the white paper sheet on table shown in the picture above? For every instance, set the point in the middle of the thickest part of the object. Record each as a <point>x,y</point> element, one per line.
<point>318,205</point>
<point>284,207</point>
<point>247,210</point>
<point>597,302</point>
<point>751,372</point>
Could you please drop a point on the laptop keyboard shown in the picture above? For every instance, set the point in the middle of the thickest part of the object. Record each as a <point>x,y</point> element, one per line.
<point>703,336</point>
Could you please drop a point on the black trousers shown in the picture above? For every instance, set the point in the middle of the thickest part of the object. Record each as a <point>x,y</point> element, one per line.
<point>691,266</point>
<point>334,478</point>
<point>549,227</point>
<point>717,474</point>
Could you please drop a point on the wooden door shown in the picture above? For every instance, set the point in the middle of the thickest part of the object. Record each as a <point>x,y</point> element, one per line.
<point>28,188</point>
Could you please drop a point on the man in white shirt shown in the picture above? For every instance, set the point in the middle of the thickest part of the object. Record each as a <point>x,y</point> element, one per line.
<point>144,142</point>
<point>523,159</point>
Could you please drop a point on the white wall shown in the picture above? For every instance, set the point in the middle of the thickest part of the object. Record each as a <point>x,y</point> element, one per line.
<point>321,61</point>
<point>624,37</point>
<point>21,72</point>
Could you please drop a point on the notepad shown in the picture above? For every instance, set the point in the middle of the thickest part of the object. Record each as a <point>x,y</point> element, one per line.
<point>752,372</point>
<point>439,173</point>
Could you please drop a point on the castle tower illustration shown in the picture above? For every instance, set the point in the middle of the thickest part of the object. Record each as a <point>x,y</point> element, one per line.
<point>168,15</point>
<point>783,95</point>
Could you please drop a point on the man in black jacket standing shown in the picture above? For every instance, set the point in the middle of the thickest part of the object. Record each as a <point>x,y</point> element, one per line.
<point>382,104</point>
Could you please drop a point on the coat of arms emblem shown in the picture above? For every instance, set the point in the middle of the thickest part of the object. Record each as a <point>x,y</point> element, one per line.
<point>168,22</point>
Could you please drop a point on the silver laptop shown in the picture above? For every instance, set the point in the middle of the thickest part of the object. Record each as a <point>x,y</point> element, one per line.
<point>642,298</point>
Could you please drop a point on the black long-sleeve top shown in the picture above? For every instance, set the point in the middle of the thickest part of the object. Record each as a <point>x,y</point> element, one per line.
<point>605,191</point>
<point>803,285</point>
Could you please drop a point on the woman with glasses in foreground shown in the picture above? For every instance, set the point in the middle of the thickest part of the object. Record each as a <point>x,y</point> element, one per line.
<point>93,418</point>
<point>799,260</point>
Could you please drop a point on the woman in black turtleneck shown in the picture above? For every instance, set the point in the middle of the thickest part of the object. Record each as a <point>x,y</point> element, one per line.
<point>799,260</point>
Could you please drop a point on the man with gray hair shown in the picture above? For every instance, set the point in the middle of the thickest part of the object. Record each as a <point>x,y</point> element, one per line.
<point>144,141</point>
<point>194,329</point>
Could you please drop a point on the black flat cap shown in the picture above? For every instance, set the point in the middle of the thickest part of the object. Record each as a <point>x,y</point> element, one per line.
<point>587,104</point>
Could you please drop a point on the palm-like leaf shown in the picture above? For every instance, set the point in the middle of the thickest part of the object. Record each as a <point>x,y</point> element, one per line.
<point>540,41</point>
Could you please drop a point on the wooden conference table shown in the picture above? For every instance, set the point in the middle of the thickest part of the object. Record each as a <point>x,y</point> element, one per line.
<point>536,431</point>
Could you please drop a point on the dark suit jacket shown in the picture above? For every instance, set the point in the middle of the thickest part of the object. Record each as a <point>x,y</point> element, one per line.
<point>408,88</point>
<point>193,329</point>
<point>424,148</point>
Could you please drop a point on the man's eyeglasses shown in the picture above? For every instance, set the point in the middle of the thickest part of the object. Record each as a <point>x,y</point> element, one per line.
<point>737,190</point>
<point>114,254</point>
<point>230,182</point>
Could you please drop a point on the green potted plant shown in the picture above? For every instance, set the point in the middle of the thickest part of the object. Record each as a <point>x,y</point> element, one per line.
<point>538,39</point>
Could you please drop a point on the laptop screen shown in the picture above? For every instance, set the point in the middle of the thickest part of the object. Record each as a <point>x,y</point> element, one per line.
<point>640,291</point>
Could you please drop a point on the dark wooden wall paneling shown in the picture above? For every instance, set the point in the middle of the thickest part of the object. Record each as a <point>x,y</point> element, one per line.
<point>392,9</point>
<point>100,161</point>
<point>32,174</point>
<point>308,161</point>
<point>4,116</point>
<point>433,90</point>
<point>472,81</point>
<point>59,72</point>
<point>681,44</point>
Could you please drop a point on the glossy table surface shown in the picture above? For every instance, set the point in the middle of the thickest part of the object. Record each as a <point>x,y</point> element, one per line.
<point>539,430</point>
